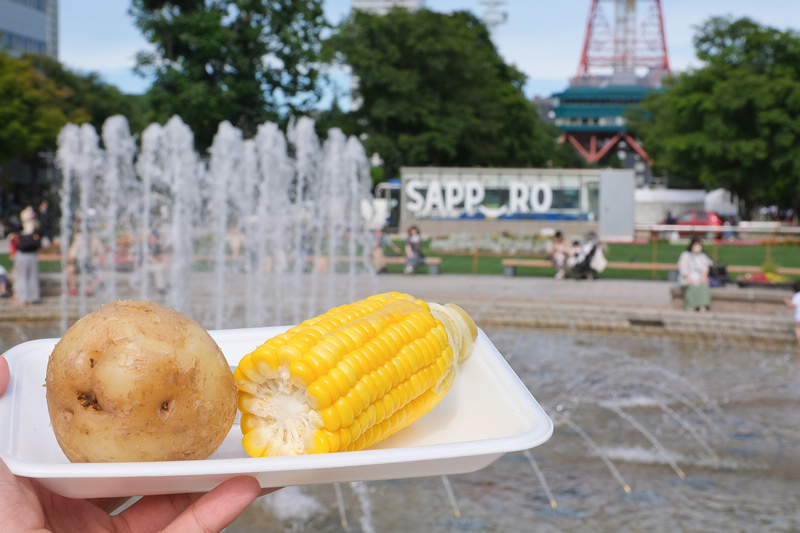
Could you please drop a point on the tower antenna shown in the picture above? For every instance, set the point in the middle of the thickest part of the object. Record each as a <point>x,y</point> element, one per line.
<point>624,43</point>
<point>493,16</point>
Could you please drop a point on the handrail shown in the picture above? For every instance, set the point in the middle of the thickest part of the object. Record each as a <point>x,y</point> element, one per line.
<point>752,227</point>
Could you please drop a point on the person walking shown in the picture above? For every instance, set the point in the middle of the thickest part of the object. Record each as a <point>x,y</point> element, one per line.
<point>380,240</point>
<point>26,260</point>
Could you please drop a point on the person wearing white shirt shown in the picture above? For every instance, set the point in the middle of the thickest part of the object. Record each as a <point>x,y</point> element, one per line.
<point>693,266</point>
<point>794,302</point>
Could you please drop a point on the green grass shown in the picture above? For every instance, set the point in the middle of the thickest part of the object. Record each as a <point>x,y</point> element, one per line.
<point>44,266</point>
<point>782,255</point>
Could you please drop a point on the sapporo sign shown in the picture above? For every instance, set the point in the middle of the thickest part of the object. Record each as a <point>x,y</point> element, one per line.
<point>446,198</point>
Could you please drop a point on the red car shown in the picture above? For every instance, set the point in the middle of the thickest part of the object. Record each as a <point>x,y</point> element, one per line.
<point>698,218</point>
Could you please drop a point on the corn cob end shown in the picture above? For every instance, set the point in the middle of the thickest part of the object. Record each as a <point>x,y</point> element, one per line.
<point>461,329</point>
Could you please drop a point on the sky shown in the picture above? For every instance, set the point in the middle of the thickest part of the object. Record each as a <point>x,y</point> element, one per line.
<point>542,38</point>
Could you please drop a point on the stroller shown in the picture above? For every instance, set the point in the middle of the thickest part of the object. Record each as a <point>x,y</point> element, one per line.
<point>590,260</point>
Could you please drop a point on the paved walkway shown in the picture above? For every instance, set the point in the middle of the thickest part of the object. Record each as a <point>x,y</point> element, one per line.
<point>605,306</point>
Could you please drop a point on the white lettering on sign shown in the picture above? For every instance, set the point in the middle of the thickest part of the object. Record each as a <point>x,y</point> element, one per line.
<point>453,195</point>
<point>434,199</point>
<point>415,199</point>
<point>446,197</point>
<point>523,198</point>
<point>474,196</point>
<point>518,196</point>
<point>543,205</point>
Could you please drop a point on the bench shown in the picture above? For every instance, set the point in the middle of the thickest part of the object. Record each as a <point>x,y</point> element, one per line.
<point>510,265</point>
<point>733,299</point>
<point>784,271</point>
<point>433,263</point>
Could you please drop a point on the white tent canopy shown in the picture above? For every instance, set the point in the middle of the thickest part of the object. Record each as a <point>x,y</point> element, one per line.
<point>652,205</point>
<point>722,202</point>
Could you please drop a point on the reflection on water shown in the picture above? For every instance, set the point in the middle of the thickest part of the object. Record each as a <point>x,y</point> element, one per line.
<point>704,436</point>
<point>13,333</point>
<point>632,412</point>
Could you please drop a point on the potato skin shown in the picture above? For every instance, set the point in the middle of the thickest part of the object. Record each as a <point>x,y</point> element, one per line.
<point>137,381</point>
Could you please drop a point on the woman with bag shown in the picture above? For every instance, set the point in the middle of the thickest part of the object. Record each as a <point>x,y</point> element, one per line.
<point>26,260</point>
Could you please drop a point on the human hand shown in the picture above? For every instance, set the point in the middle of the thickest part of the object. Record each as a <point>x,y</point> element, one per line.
<point>25,505</point>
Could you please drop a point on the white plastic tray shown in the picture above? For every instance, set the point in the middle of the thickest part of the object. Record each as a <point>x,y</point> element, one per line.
<point>487,413</point>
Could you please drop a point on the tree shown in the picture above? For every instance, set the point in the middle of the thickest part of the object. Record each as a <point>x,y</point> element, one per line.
<point>245,61</point>
<point>31,109</point>
<point>434,91</point>
<point>89,95</point>
<point>735,122</point>
<point>32,112</point>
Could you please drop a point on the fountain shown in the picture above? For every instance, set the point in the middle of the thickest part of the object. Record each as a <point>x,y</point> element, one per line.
<point>661,434</point>
<point>263,231</point>
<point>651,434</point>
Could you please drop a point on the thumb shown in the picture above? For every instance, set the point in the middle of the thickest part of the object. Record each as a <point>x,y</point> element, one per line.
<point>217,509</point>
<point>5,375</point>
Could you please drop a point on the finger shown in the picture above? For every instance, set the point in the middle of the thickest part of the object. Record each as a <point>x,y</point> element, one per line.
<point>153,513</point>
<point>194,512</point>
<point>217,509</point>
<point>5,375</point>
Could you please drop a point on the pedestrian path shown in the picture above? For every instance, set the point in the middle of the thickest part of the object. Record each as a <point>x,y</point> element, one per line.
<point>602,306</point>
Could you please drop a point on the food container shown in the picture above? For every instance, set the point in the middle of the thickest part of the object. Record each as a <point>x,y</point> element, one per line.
<point>487,413</point>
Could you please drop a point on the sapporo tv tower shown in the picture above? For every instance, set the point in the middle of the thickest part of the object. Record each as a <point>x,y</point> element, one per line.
<point>624,57</point>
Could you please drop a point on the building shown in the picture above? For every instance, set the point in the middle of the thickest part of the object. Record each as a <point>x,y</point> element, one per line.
<point>521,201</point>
<point>592,119</point>
<point>381,7</point>
<point>29,26</point>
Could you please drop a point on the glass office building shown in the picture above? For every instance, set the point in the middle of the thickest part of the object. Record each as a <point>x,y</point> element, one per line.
<point>29,26</point>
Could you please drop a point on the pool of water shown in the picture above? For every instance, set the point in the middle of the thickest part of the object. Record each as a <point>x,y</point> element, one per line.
<point>650,434</point>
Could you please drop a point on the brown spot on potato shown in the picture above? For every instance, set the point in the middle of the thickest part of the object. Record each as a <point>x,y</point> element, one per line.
<point>89,399</point>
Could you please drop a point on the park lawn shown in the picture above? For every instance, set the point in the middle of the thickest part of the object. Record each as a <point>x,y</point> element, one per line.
<point>781,255</point>
<point>44,266</point>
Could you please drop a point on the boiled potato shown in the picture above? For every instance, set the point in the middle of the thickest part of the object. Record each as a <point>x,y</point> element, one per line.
<point>136,381</point>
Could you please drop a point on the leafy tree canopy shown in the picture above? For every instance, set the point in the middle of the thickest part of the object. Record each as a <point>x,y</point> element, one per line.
<point>32,110</point>
<point>433,90</point>
<point>735,122</point>
<point>244,61</point>
<point>88,95</point>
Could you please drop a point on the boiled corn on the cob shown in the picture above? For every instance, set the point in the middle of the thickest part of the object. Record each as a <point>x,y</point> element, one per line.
<point>350,377</point>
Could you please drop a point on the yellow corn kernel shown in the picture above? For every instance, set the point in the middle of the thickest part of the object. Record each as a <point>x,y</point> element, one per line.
<point>301,371</point>
<point>350,377</point>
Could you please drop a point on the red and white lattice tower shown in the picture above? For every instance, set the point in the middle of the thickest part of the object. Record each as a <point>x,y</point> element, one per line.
<point>624,45</point>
